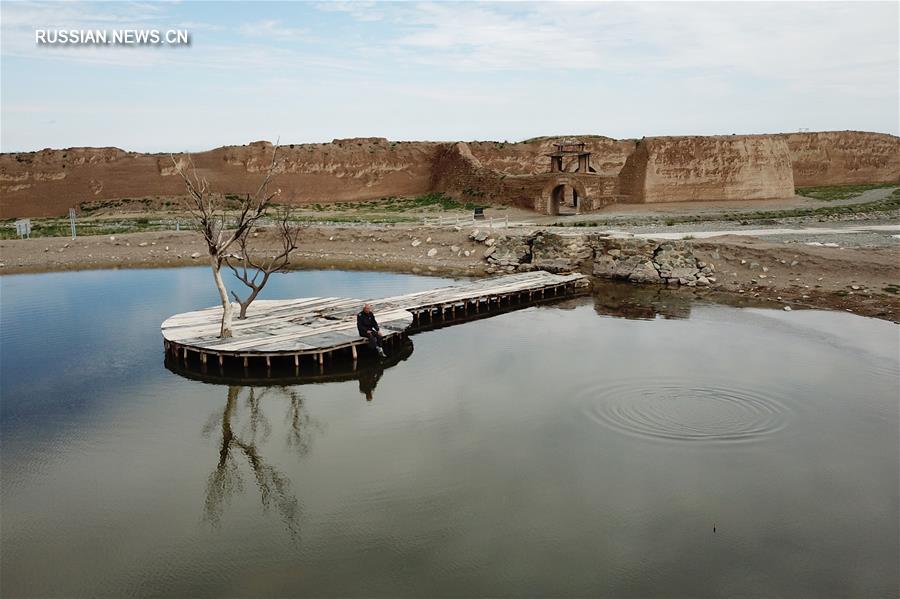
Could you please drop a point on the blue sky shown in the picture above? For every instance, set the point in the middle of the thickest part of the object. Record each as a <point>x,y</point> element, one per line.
<point>310,72</point>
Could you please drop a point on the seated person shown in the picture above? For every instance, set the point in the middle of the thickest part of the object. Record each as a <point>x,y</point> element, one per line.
<point>368,328</point>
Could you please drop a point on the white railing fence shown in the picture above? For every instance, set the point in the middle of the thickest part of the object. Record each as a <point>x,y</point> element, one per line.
<point>465,221</point>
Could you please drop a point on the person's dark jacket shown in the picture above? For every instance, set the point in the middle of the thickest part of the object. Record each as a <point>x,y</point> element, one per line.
<point>365,322</point>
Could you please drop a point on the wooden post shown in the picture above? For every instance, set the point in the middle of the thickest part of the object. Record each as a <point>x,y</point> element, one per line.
<point>353,351</point>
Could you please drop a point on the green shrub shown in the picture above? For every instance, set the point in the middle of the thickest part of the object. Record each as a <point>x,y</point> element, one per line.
<point>840,192</point>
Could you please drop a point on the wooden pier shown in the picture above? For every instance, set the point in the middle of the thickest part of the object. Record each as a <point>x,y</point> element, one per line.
<point>315,330</point>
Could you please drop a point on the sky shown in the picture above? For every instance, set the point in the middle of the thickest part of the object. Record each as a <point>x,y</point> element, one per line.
<point>314,71</point>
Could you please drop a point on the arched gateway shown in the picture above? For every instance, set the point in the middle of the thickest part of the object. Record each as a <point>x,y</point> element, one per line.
<point>565,195</point>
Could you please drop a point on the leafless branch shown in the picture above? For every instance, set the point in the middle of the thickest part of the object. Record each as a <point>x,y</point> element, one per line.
<point>211,213</point>
<point>248,268</point>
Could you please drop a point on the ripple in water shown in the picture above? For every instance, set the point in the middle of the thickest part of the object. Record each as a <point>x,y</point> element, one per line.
<point>685,411</point>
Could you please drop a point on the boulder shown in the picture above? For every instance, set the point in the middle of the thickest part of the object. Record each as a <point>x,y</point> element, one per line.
<point>604,266</point>
<point>644,272</point>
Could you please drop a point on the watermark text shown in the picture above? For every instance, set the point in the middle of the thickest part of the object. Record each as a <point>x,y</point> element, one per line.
<point>112,37</point>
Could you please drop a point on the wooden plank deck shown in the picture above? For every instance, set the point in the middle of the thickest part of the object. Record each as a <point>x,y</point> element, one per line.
<point>318,326</point>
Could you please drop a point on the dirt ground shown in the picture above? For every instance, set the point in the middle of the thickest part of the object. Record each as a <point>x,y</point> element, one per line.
<point>865,281</point>
<point>861,280</point>
<point>354,247</point>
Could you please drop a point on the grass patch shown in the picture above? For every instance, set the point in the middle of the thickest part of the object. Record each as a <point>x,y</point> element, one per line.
<point>888,204</point>
<point>839,192</point>
<point>53,227</point>
<point>429,201</point>
<point>358,218</point>
<point>440,199</point>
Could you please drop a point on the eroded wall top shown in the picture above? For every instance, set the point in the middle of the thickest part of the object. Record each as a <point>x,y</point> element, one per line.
<point>49,182</point>
<point>656,169</point>
<point>844,158</point>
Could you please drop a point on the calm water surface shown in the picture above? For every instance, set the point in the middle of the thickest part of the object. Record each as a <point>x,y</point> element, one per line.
<point>583,449</point>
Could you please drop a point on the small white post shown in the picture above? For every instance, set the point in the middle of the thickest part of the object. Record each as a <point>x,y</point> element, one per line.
<point>72,221</point>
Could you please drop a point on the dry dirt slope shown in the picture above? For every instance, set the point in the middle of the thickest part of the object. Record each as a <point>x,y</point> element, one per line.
<point>49,182</point>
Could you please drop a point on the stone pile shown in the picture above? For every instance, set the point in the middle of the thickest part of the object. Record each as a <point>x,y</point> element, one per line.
<point>638,260</point>
<point>649,261</point>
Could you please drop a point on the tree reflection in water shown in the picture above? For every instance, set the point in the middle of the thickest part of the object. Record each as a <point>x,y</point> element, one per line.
<point>299,424</point>
<point>244,427</point>
<point>241,447</point>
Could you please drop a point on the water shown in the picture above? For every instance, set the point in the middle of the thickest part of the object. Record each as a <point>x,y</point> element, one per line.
<point>587,448</point>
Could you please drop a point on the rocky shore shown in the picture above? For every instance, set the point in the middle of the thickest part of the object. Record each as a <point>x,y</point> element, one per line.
<point>861,280</point>
<point>636,260</point>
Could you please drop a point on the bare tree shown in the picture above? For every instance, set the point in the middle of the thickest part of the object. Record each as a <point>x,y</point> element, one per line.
<point>254,272</point>
<point>210,211</point>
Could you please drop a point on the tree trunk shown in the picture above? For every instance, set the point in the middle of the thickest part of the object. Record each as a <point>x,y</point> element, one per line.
<point>227,310</point>
<point>246,304</point>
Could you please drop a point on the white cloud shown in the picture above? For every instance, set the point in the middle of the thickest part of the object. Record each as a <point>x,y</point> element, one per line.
<point>360,10</point>
<point>21,19</point>
<point>271,28</point>
<point>71,14</point>
<point>831,45</point>
<point>456,71</point>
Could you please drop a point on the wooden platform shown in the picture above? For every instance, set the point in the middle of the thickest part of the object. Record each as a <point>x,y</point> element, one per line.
<point>317,327</point>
